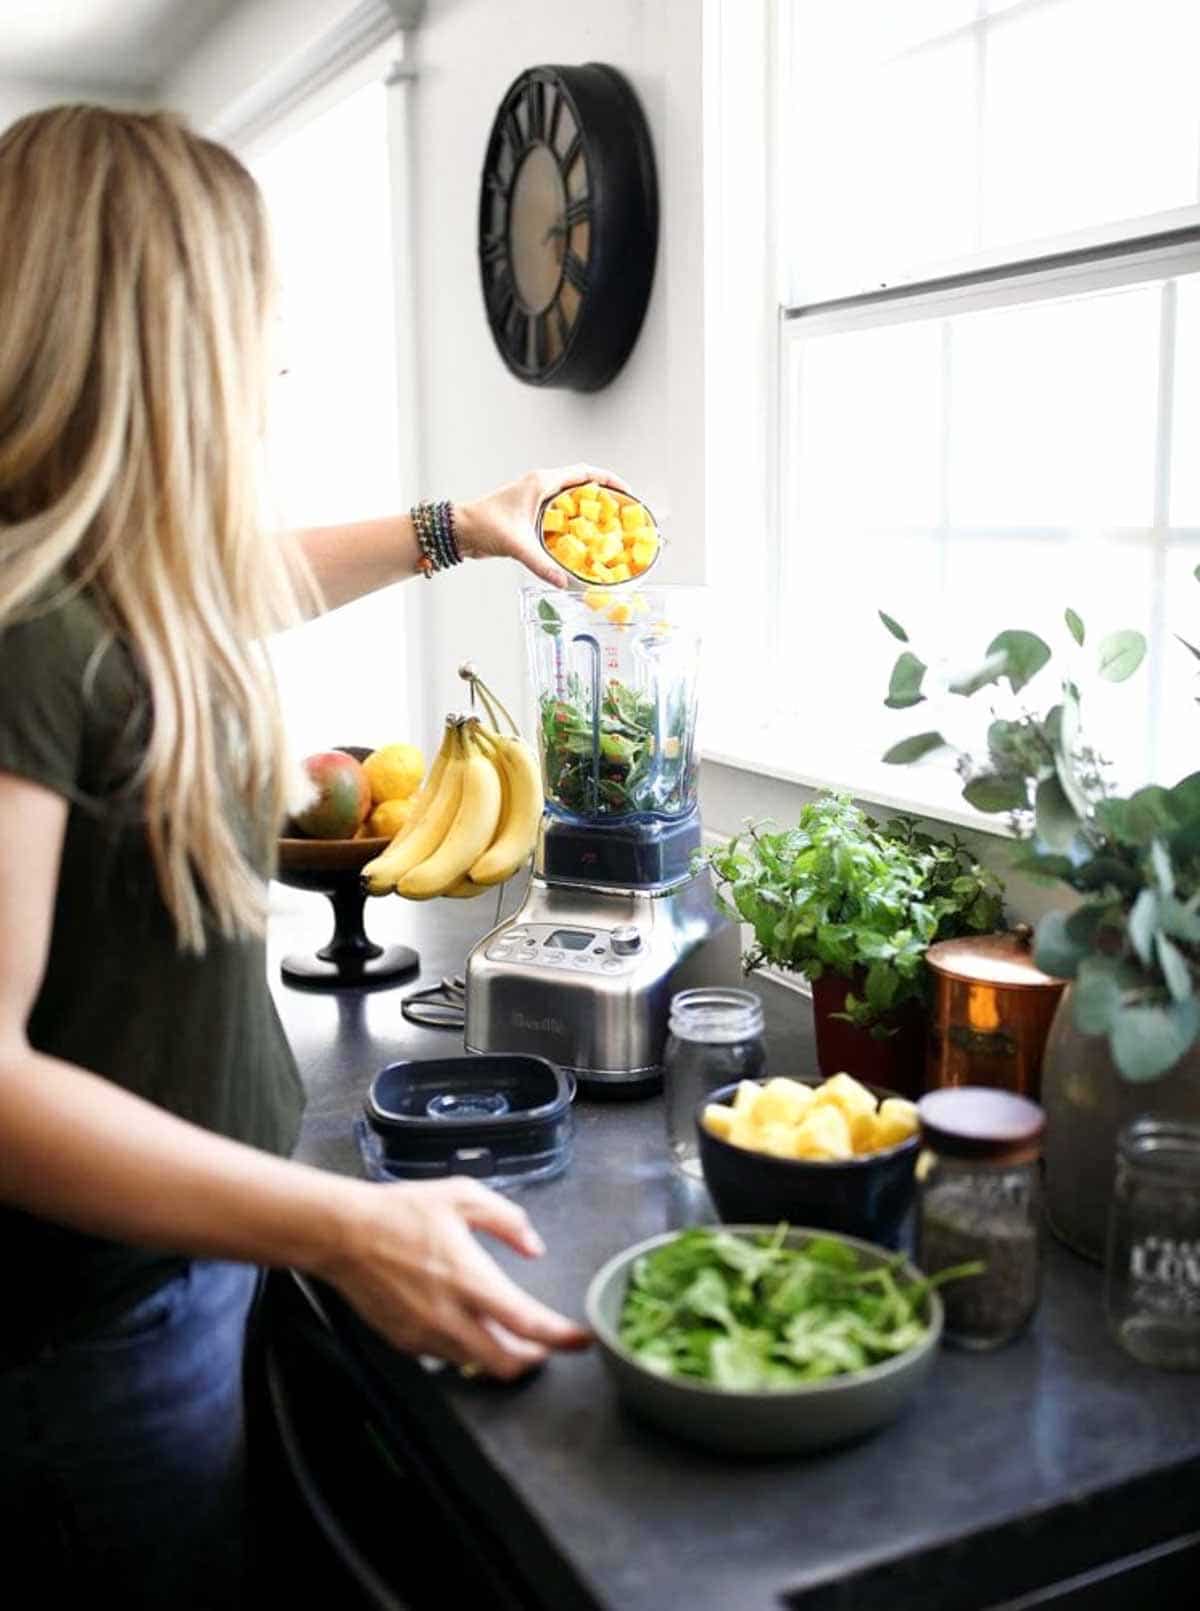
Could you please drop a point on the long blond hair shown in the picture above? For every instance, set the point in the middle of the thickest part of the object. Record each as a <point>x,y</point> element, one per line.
<point>135,298</point>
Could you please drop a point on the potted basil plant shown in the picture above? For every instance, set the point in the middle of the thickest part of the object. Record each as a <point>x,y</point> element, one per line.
<point>1126,1039</point>
<point>853,906</point>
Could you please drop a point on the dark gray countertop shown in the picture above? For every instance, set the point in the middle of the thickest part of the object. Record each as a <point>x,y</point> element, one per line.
<point>1012,1470</point>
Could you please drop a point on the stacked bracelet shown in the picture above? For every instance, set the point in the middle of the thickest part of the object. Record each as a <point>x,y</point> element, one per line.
<point>436,537</point>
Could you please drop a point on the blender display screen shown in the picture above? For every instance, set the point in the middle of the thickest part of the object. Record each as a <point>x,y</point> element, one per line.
<point>570,940</point>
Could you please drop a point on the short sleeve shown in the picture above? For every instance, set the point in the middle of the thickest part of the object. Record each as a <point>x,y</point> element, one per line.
<point>43,665</point>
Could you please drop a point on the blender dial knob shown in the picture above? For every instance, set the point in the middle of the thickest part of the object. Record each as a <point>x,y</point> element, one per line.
<point>626,940</point>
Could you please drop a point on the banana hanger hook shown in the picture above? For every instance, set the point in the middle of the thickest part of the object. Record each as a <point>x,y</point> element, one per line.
<point>496,711</point>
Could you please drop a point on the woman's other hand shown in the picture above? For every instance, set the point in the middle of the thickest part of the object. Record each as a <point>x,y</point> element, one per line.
<point>413,1269</point>
<point>502,523</point>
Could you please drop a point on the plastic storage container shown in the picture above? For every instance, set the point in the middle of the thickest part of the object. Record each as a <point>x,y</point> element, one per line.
<point>502,1117</point>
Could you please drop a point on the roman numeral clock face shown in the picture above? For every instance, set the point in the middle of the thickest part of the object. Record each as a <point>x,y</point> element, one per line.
<point>568,224</point>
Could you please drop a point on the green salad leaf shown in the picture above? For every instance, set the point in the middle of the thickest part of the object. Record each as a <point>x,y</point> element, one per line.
<point>746,1315</point>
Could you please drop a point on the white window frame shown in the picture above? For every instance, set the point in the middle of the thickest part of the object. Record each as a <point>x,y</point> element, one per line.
<point>1156,246</point>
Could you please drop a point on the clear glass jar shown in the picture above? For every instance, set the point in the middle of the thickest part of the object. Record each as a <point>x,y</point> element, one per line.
<point>715,1038</point>
<point>1152,1285</point>
<point>981,1202</point>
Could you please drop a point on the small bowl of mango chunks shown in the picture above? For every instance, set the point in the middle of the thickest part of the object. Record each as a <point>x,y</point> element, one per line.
<point>599,535</point>
<point>837,1155</point>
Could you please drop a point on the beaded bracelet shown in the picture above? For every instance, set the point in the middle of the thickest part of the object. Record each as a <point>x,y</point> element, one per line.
<point>436,537</point>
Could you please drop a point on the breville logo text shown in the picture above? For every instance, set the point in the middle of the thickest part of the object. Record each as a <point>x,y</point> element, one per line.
<point>538,1026</point>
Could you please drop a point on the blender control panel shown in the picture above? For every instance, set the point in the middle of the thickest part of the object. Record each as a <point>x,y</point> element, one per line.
<point>570,950</point>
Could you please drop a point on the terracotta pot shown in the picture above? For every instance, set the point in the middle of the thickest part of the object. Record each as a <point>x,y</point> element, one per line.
<point>1087,1102</point>
<point>896,1060</point>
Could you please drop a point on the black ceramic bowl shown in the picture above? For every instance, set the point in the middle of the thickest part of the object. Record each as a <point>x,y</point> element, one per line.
<point>867,1197</point>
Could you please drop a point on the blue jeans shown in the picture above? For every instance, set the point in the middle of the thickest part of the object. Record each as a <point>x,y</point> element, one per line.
<point>121,1455</point>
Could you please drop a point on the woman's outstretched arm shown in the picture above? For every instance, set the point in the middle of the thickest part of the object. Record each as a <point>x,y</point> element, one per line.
<point>78,1149</point>
<point>351,560</point>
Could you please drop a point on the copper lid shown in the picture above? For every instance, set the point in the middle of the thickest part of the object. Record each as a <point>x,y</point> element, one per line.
<point>994,959</point>
<point>974,1121</point>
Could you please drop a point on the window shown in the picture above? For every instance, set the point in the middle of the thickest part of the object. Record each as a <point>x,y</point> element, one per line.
<point>334,444</point>
<point>989,361</point>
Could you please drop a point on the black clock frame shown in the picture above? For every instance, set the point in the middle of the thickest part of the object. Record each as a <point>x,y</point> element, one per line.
<point>621,203</point>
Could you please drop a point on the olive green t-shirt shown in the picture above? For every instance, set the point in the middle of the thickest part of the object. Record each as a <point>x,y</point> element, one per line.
<point>196,1035</point>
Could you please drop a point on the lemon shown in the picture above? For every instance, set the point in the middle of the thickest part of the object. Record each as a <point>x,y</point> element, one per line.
<point>387,819</point>
<point>394,772</point>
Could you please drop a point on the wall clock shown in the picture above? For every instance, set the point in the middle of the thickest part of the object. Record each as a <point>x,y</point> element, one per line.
<point>568,225</point>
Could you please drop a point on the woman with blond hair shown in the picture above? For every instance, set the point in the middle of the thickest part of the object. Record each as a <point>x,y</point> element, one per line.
<point>148,1099</point>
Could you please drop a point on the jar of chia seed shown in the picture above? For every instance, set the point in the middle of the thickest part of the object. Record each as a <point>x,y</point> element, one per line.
<point>716,1037</point>
<point>981,1201</point>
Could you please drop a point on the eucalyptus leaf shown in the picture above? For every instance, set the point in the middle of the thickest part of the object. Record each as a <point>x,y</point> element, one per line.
<point>904,689</point>
<point>1075,626</point>
<point>993,793</point>
<point>1181,921</point>
<point>1160,866</point>
<point>1174,967</point>
<point>1120,654</point>
<point>1143,925</point>
<point>1095,997</point>
<point>1147,1041</point>
<point>1055,952</point>
<point>914,749</point>
<point>1057,821</point>
<point>1024,656</point>
<point>893,627</point>
<point>970,682</point>
<point>1190,647</point>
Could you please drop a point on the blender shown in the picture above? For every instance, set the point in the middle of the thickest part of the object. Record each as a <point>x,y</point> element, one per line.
<point>616,919</point>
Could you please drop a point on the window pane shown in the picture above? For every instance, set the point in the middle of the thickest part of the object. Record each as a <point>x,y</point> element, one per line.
<point>922,132</point>
<point>1177,711</point>
<point>1054,412</point>
<point>1185,450</point>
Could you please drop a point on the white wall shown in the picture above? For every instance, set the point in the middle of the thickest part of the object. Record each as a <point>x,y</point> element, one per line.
<point>479,426</point>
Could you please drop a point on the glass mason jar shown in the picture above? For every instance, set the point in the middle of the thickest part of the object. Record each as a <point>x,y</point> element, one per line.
<point>1152,1286</point>
<point>981,1201</point>
<point>715,1038</point>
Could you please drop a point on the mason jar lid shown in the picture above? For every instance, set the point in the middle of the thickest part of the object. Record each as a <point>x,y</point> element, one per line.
<point>975,1121</point>
<point>1004,960</point>
<point>1169,1149</point>
<point>716,1017</point>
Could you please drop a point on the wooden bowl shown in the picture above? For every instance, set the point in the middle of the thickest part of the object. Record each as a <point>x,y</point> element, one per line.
<point>327,855</point>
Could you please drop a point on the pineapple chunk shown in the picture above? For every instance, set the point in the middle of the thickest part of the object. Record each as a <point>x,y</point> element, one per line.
<point>718,1120</point>
<point>633,515</point>
<point>584,529</point>
<point>568,551</point>
<point>566,502</point>
<point>742,1132</point>
<point>845,1092</point>
<point>746,1096</point>
<point>864,1133</point>
<point>823,1135</point>
<point>607,549</point>
<point>783,1101</point>
<point>591,509</point>
<point>777,1140</point>
<point>554,520</point>
<point>896,1122</point>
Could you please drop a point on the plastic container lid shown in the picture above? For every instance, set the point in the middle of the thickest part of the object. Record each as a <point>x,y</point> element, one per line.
<point>975,1121</point>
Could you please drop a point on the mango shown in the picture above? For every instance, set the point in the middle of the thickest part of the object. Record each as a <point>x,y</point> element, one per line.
<point>590,509</point>
<point>554,520</point>
<point>718,1119</point>
<point>632,514</point>
<point>616,534</point>
<point>341,797</point>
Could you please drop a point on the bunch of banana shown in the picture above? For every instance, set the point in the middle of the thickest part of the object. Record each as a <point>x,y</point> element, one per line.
<point>474,822</point>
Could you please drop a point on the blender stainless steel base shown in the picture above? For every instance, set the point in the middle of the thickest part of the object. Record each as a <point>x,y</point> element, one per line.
<point>584,974</point>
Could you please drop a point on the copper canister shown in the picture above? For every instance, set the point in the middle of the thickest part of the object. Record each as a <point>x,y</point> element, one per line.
<point>991,1013</point>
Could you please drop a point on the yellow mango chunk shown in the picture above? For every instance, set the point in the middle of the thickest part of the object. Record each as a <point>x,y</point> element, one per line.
<point>595,600</point>
<point>588,489</point>
<point>783,1101</point>
<point>620,614</point>
<point>620,572</point>
<point>609,524</point>
<point>590,508</point>
<point>632,515</point>
<point>746,1096</point>
<point>554,520</point>
<point>777,1140</point>
<point>584,529</point>
<point>718,1120</point>
<point>897,1120</point>
<point>641,557</point>
<point>864,1133</point>
<point>566,502</point>
<point>845,1092</point>
<point>608,504</point>
<point>823,1134</point>
<point>568,551</point>
<point>607,549</point>
<point>742,1133</point>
